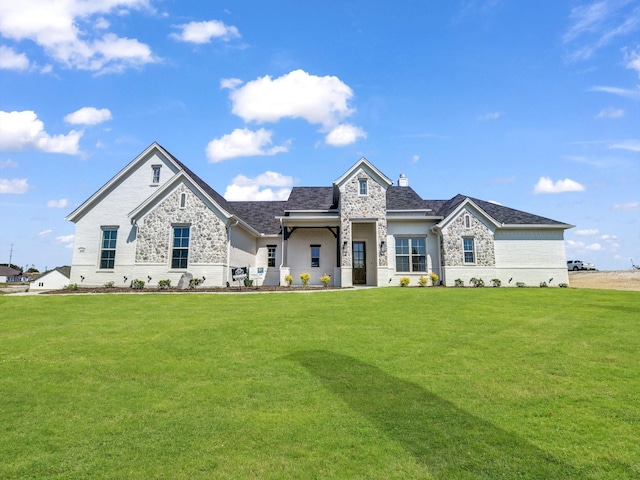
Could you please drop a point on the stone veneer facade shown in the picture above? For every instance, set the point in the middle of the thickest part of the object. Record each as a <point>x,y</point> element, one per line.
<point>356,206</point>
<point>452,247</point>
<point>208,236</point>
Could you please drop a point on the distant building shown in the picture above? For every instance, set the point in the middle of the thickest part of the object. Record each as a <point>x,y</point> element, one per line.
<point>52,280</point>
<point>9,275</point>
<point>157,220</point>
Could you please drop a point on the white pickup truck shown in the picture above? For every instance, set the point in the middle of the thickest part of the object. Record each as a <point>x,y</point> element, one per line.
<point>579,265</point>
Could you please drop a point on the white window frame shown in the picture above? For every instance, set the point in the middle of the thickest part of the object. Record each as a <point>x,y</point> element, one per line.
<point>111,248</point>
<point>316,263</point>
<point>155,174</point>
<point>271,255</point>
<point>410,253</point>
<point>363,188</point>
<point>466,251</point>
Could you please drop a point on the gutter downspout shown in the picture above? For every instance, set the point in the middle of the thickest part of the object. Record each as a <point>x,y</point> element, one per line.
<point>438,233</point>
<point>228,269</point>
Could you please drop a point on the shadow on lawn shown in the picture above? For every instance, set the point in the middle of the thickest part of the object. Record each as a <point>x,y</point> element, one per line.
<point>451,442</point>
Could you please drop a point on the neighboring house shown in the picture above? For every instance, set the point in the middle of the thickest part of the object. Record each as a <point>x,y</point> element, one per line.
<point>55,279</point>
<point>9,275</point>
<point>157,220</point>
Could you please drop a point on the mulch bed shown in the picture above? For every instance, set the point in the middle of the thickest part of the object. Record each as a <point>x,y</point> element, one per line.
<point>232,289</point>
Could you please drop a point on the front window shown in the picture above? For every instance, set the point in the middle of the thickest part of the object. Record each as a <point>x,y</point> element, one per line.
<point>410,255</point>
<point>180,254</point>
<point>108,250</point>
<point>271,257</point>
<point>315,255</point>
<point>468,248</point>
<point>362,184</point>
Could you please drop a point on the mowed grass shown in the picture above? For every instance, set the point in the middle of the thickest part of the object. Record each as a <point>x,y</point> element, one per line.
<point>373,384</point>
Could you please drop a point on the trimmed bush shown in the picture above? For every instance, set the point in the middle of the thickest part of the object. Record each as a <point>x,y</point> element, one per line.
<point>434,279</point>
<point>164,284</point>
<point>137,284</point>
<point>195,282</point>
<point>423,281</point>
<point>520,284</point>
<point>495,282</point>
<point>459,282</point>
<point>476,282</point>
<point>289,280</point>
<point>543,284</point>
<point>325,279</point>
<point>405,281</point>
<point>72,286</point>
<point>305,278</point>
<point>109,284</point>
<point>563,285</point>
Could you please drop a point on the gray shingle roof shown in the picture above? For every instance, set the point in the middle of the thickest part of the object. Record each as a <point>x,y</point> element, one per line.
<point>262,215</point>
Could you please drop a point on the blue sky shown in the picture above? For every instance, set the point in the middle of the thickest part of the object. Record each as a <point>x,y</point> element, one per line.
<point>534,105</point>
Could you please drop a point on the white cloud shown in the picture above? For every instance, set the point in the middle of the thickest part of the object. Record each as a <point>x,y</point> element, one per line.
<point>490,116</point>
<point>69,32</point>
<point>243,143</point>
<point>594,247</point>
<point>65,238</point>
<point>611,112</point>
<point>607,237</point>
<point>22,130</point>
<point>203,32</point>
<point>633,60</point>
<point>318,100</point>
<point>633,145</point>
<point>16,185</point>
<point>62,203</point>
<point>344,134</point>
<point>11,60</point>
<point>415,159</point>
<point>88,116</point>
<point>627,207</point>
<point>587,232</point>
<point>244,188</point>
<point>546,185</point>
<point>621,92</point>
<point>45,233</point>
<point>8,164</point>
<point>596,24</point>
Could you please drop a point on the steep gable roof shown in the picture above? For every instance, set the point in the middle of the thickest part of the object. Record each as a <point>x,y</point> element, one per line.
<point>499,213</point>
<point>405,198</point>
<point>311,198</point>
<point>261,216</point>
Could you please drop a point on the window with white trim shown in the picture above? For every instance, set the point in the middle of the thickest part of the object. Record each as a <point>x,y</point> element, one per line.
<point>180,252</point>
<point>362,186</point>
<point>108,248</point>
<point>410,254</point>
<point>468,249</point>
<point>156,173</point>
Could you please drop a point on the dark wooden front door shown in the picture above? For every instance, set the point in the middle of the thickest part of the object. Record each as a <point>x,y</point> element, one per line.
<point>359,264</point>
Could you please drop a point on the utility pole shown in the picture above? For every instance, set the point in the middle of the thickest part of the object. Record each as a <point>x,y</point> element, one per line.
<point>11,255</point>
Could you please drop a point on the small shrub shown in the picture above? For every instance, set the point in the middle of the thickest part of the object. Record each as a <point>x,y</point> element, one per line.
<point>423,281</point>
<point>496,282</point>
<point>563,285</point>
<point>325,279</point>
<point>164,284</point>
<point>72,286</point>
<point>195,282</point>
<point>434,278</point>
<point>289,280</point>
<point>248,282</point>
<point>543,284</point>
<point>137,284</point>
<point>520,284</point>
<point>476,282</point>
<point>405,281</point>
<point>459,282</point>
<point>109,284</point>
<point>304,278</point>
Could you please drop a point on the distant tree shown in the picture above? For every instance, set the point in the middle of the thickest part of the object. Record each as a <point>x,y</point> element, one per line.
<point>33,270</point>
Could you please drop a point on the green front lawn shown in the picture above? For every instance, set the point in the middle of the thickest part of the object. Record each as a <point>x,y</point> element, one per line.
<point>385,383</point>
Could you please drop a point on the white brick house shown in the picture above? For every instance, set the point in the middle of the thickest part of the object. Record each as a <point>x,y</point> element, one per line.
<point>157,220</point>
